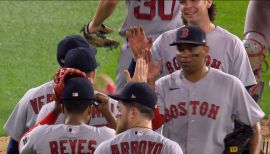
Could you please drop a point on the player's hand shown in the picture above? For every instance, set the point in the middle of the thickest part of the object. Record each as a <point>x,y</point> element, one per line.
<point>57,108</point>
<point>141,71</point>
<point>138,41</point>
<point>103,103</point>
<point>154,70</point>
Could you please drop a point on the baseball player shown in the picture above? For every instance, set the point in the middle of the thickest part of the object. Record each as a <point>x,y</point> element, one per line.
<point>257,41</point>
<point>84,60</point>
<point>135,135</point>
<point>75,136</point>
<point>200,100</point>
<point>232,59</point>
<point>25,113</point>
<point>156,17</point>
<point>227,52</point>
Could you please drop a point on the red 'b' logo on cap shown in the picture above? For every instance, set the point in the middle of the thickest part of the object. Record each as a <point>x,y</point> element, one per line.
<point>184,33</point>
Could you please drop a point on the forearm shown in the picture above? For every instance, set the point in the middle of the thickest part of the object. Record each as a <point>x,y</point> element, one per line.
<point>110,119</point>
<point>256,140</point>
<point>104,10</point>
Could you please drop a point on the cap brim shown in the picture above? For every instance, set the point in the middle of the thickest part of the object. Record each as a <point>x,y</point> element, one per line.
<point>118,97</point>
<point>186,42</point>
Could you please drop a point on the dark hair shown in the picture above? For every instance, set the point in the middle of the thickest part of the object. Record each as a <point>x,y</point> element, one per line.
<point>144,110</point>
<point>76,106</point>
<point>212,12</point>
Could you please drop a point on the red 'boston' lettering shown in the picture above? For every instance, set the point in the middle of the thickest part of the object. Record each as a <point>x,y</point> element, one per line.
<point>204,108</point>
<point>174,111</point>
<point>183,110</point>
<point>213,111</point>
<point>197,108</point>
<point>194,106</point>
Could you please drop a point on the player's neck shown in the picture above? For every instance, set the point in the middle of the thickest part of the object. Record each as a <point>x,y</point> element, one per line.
<point>206,26</point>
<point>75,120</point>
<point>143,124</point>
<point>197,75</point>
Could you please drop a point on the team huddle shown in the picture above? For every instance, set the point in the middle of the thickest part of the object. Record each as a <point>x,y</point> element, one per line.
<point>183,83</point>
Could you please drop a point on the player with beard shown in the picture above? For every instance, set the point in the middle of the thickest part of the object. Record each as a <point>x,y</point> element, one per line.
<point>136,106</point>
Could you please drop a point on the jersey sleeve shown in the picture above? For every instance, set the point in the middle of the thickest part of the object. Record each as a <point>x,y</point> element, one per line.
<point>107,132</point>
<point>245,108</point>
<point>28,142</point>
<point>172,148</point>
<point>44,111</point>
<point>102,148</point>
<point>16,123</point>
<point>160,95</point>
<point>241,65</point>
<point>156,53</point>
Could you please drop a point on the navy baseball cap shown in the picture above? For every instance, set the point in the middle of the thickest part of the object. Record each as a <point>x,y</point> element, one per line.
<point>68,43</point>
<point>137,92</point>
<point>78,89</point>
<point>82,58</point>
<point>190,35</point>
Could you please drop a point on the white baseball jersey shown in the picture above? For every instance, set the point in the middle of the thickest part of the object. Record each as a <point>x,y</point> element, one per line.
<point>139,141</point>
<point>97,119</point>
<point>226,52</point>
<point>198,115</point>
<point>25,113</point>
<point>257,18</point>
<point>156,17</point>
<point>55,139</point>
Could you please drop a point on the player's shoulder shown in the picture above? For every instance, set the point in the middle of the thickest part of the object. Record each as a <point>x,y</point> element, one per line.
<point>47,87</point>
<point>223,34</point>
<point>104,131</point>
<point>223,77</point>
<point>172,145</point>
<point>169,78</point>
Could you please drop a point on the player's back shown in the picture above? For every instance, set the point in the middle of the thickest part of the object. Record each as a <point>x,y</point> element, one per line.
<point>156,16</point>
<point>25,113</point>
<point>139,141</point>
<point>62,138</point>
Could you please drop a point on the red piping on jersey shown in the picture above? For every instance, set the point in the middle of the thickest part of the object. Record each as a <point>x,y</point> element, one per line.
<point>260,52</point>
<point>252,31</point>
<point>49,120</point>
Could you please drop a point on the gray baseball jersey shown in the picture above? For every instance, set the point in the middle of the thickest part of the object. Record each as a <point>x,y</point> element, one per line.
<point>97,119</point>
<point>226,52</point>
<point>199,114</point>
<point>257,18</point>
<point>25,113</point>
<point>156,17</point>
<point>62,138</point>
<point>139,141</point>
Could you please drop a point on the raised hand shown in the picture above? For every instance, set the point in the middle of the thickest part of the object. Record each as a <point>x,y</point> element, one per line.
<point>138,41</point>
<point>141,71</point>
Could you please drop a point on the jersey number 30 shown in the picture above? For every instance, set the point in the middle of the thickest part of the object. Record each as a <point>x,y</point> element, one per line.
<point>151,5</point>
